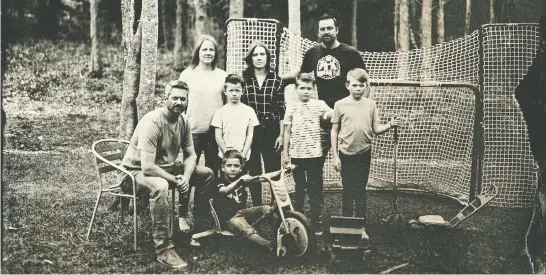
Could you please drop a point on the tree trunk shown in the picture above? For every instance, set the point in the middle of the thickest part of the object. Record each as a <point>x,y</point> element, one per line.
<point>163,21</point>
<point>189,24</point>
<point>440,22</point>
<point>354,38</point>
<point>396,24</point>
<point>148,57</point>
<point>467,18</point>
<point>491,11</point>
<point>95,64</point>
<point>178,41</point>
<point>236,8</point>
<point>131,75</point>
<point>294,17</point>
<point>201,17</point>
<point>404,29</point>
<point>426,23</point>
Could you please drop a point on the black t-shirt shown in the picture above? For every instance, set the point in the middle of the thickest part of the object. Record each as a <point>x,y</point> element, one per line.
<point>330,67</point>
<point>226,206</point>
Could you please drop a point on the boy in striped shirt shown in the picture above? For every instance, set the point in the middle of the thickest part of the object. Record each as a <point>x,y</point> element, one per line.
<point>302,140</point>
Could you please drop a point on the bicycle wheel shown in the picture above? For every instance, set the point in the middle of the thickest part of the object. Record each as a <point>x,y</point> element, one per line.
<point>293,239</point>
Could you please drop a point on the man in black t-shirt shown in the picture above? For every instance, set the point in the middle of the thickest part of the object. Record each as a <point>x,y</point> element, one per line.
<point>329,61</point>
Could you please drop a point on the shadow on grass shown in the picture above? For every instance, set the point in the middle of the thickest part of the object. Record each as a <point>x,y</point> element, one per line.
<point>48,200</point>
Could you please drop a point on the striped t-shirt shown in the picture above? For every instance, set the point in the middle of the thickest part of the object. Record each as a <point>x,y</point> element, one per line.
<point>304,118</point>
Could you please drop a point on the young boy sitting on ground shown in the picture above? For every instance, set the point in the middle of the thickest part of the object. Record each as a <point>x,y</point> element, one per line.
<point>355,122</point>
<point>302,140</point>
<point>230,202</point>
<point>234,122</point>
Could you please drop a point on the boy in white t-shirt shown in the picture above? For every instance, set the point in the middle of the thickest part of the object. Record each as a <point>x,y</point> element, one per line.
<point>302,139</point>
<point>234,122</point>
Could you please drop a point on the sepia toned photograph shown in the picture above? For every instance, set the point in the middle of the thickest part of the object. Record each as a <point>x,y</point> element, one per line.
<point>273,136</point>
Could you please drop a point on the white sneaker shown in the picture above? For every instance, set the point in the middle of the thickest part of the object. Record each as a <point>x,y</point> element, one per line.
<point>364,236</point>
<point>183,225</point>
<point>195,243</point>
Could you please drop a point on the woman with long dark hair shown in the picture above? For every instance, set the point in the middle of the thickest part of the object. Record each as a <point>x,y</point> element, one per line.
<point>264,92</point>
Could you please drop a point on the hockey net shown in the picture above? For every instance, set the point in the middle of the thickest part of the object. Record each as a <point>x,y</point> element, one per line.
<point>435,149</point>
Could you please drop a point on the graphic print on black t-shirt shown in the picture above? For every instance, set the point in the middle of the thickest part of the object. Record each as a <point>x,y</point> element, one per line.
<point>328,67</point>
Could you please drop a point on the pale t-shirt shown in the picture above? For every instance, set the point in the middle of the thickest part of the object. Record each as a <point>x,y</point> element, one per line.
<point>234,121</point>
<point>204,97</point>
<point>355,119</point>
<point>155,134</point>
<point>304,118</point>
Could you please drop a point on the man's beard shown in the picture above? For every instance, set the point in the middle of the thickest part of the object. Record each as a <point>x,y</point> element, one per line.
<point>328,42</point>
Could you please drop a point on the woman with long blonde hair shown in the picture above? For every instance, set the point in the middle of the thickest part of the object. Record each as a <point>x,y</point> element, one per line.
<point>206,85</point>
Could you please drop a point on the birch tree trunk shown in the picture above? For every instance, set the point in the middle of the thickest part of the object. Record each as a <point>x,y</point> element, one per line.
<point>426,23</point>
<point>131,75</point>
<point>178,34</point>
<point>294,17</point>
<point>467,18</point>
<point>491,11</point>
<point>396,24</point>
<point>404,29</point>
<point>148,58</point>
<point>440,23</point>
<point>95,65</point>
<point>201,17</point>
<point>354,38</point>
<point>236,8</point>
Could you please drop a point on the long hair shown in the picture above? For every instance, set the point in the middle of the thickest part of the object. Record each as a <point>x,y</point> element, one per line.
<point>248,59</point>
<point>197,48</point>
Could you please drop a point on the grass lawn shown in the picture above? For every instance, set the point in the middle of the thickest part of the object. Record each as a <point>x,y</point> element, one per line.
<point>49,187</point>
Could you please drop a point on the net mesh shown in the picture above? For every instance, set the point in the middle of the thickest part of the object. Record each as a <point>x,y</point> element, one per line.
<point>508,50</point>
<point>241,33</point>
<point>436,143</point>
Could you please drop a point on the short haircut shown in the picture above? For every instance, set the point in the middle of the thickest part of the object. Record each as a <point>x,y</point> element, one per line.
<point>248,57</point>
<point>306,78</point>
<point>358,74</point>
<point>175,84</point>
<point>326,17</point>
<point>197,48</point>
<point>234,79</point>
<point>233,154</point>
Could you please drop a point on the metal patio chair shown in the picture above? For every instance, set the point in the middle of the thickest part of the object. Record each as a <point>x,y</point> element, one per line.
<point>108,156</point>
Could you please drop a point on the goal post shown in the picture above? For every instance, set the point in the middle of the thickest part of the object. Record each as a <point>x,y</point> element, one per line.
<point>494,58</point>
<point>441,138</point>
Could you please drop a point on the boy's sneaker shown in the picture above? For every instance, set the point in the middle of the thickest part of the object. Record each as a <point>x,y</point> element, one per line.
<point>195,243</point>
<point>170,258</point>
<point>364,237</point>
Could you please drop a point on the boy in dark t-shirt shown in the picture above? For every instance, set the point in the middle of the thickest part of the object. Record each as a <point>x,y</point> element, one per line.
<point>230,201</point>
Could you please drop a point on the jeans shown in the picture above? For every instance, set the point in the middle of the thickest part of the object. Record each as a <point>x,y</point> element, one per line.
<point>156,189</point>
<point>355,170</point>
<point>263,146</point>
<point>308,178</point>
<point>206,144</point>
<point>242,223</point>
